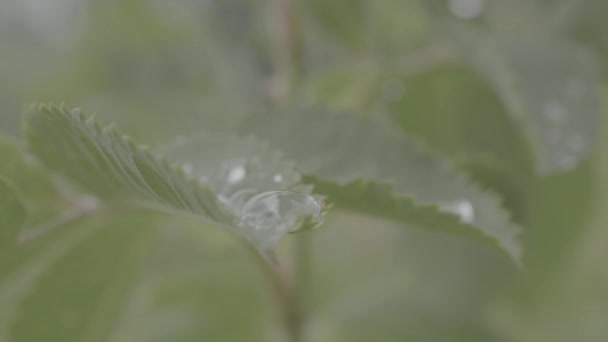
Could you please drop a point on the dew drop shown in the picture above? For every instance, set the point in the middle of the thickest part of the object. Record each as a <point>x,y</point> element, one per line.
<point>188,168</point>
<point>236,174</point>
<point>88,203</point>
<point>223,199</point>
<point>462,208</point>
<point>466,9</point>
<point>278,178</point>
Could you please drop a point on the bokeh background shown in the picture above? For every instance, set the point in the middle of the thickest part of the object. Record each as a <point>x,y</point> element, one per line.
<point>162,69</point>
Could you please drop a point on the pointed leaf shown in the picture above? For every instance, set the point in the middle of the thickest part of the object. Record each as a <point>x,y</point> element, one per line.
<point>246,175</point>
<point>470,126</point>
<point>362,166</point>
<point>112,166</point>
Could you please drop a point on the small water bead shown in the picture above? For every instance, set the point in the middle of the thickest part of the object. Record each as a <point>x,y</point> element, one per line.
<point>466,9</point>
<point>278,178</point>
<point>188,168</point>
<point>236,174</point>
<point>88,203</point>
<point>462,208</point>
<point>223,199</point>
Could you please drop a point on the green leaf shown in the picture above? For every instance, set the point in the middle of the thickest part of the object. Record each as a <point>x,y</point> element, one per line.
<point>130,276</point>
<point>12,212</point>
<point>362,166</point>
<point>35,185</point>
<point>550,87</point>
<point>113,167</point>
<point>468,122</point>
<point>371,26</point>
<point>470,126</point>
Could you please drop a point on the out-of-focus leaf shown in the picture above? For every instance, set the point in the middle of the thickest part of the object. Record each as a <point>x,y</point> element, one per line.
<point>550,87</point>
<point>379,283</point>
<point>35,185</point>
<point>561,296</point>
<point>457,113</point>
<point>365,167</point>
<point>585,21</point>
<point>130,276</point>
<point>469,125</point>
<point>32,180</point>
<point>112,166</point>
<point>383,25</point>
<point>12,212</point>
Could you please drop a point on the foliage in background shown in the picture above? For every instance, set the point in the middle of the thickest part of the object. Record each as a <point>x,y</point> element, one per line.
<point>451,148</point>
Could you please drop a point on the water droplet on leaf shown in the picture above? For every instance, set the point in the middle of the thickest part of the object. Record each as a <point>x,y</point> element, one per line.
<point>268,216</point>
<point>188,168</point>
<point>236,174</point>
<point>462,208</point>
<point>278,178</point>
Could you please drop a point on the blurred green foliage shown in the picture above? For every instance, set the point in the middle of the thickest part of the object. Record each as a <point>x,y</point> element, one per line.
<point>509,92</point>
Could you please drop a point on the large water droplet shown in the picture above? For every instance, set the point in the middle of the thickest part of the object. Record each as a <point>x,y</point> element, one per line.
<point>237,201</point>
<point>236,174</point>
<point>268,216</point>
<point>466,9</point>
<point>462,208</point>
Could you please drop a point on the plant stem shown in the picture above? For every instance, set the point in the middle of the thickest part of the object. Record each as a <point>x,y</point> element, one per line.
<point>287,295</point>
<point>290,285</point>
<point>303,273</point>
<point>288,61</point>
